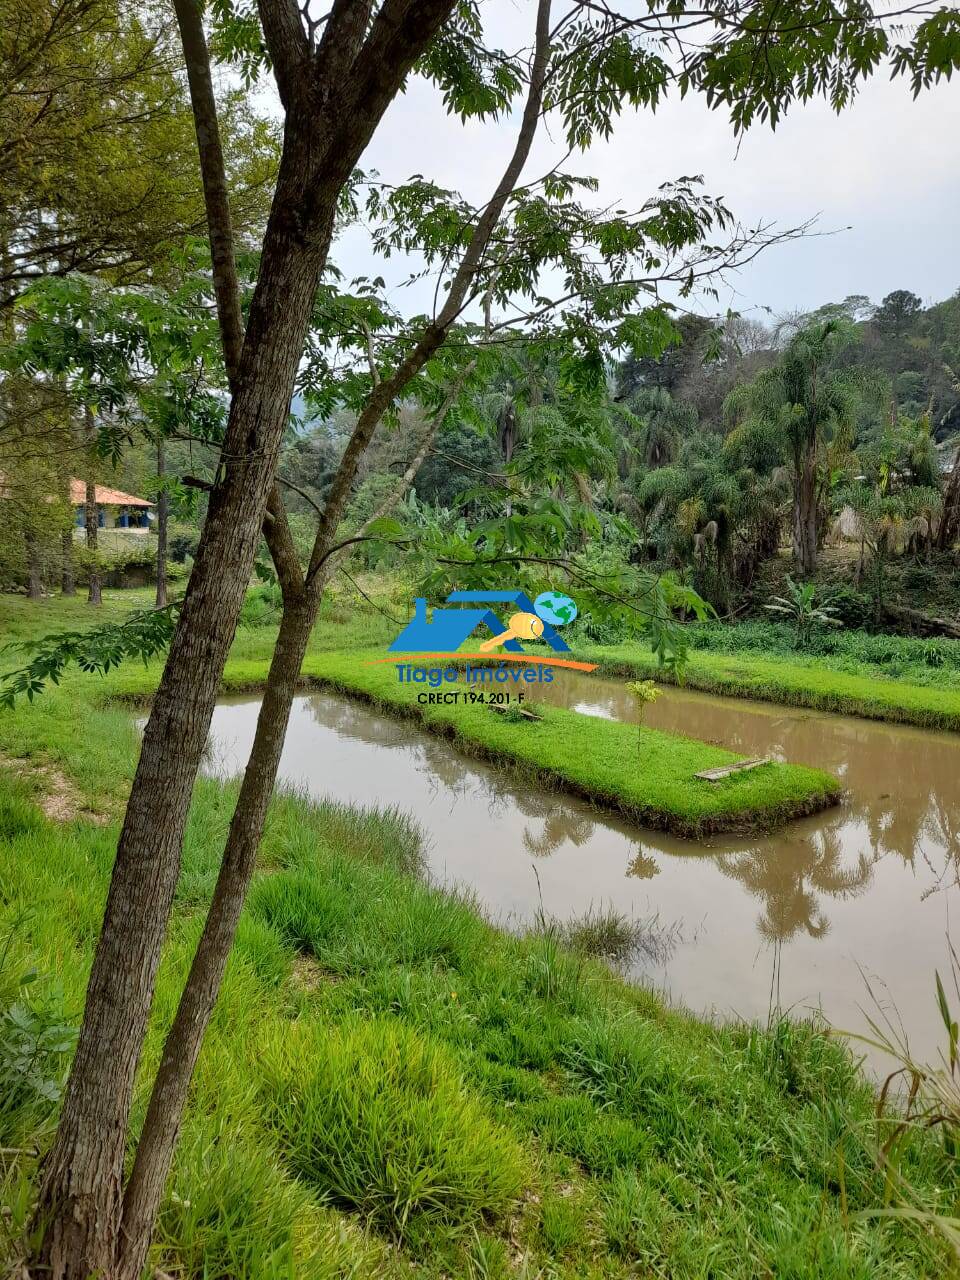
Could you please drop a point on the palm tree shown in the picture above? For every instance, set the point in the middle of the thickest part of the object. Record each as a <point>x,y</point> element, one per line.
<point>520,381</point>
<point>654,426</point>
<point>790,883</point>
<point>714,513</point>
<point>949,528</point>
<point>810,407</point>
<point>886,523</point>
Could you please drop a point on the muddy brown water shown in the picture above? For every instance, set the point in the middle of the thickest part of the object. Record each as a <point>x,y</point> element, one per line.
<point>803,919</point>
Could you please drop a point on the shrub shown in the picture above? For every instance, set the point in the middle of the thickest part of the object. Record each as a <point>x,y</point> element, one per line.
<point>590,630</point>
<point>377,1117</point>
<point>854,648</point>
<point>919,578</point>
<point>852,608</point>
<point>35,1043</point>
<point>262,606</point>
<point>182,542</point>
<point>803,610</point>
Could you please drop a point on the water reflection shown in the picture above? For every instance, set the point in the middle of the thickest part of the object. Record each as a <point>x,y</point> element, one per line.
<point>791,916</point>
<point>789,883</point>
<point>903,784</point>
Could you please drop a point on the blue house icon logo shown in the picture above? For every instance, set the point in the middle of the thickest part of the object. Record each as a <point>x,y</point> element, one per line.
<point>447,630</point>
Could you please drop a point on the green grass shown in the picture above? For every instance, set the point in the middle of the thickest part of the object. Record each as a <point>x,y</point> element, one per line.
<point>390,1085</point>
<point>377,1118</point>
<point>839,681</point>
<point>646,774</point>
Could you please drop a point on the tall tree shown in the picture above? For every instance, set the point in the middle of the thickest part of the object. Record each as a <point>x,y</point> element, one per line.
<point>411,216</point>
<point>91,514</point>
<point>37,449</point>
<point>897,312</point>
<point>335,82</point>
<point>97,154</point>
<point>809,405</point>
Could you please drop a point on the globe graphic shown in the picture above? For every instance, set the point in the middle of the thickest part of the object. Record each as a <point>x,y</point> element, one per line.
<point>555,608</point>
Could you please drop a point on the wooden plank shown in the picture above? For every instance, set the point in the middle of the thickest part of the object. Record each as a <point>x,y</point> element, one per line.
<point>714,775</point>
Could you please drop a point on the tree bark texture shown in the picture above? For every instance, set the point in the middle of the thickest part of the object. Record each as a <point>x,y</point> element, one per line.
<point>34,573</point>
<point>805,539</point>
<point>68,581</point>
<point>301,598</point>
<point>161,1126</point>
<point>82,1177</point>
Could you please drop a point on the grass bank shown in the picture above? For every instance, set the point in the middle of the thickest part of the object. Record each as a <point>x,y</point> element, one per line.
<point>646,774</point>
<point>391,1086</point>
<point>877,677</point>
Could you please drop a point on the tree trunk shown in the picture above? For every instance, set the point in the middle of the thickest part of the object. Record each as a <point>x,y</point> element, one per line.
<point>34,575</point>
<point>161,1126</point>
<point>915,622</point>
<point>81,1191</point>
<point>334,99</point>
<point>163,507</point>
<point>949,528</point>
<point>68,581</point>
<point>94,593</point>
<point>168,1098</point>
<point>805,511</point>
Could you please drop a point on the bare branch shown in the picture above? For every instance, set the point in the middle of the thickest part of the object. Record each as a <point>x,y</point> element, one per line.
<point>295,488</point>
<point>213,173</point>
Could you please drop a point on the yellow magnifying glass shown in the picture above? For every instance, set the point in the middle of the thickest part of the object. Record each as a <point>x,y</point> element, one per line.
<point>522,626</point>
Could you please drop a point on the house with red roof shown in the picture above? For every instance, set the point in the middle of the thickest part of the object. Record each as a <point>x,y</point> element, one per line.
<point>115,509</point>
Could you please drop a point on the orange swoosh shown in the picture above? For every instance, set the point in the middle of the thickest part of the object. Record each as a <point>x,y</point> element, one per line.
<point>500,657</point>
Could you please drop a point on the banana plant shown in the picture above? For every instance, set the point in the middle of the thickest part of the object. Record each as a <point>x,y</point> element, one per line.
<point>801,609</point>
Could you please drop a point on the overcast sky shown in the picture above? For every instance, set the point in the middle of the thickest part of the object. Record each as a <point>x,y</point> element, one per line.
<point>884,176</point>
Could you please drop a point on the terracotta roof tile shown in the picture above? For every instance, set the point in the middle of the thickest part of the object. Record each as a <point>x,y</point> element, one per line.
<point>105,496</point>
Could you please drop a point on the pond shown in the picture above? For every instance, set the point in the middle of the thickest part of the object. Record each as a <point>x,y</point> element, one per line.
<point>845,912</point>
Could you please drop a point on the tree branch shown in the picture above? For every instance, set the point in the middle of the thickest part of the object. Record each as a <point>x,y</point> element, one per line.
<point>342,37</point>
<point>287,45</point>
<point>226,283</point>
<point>433,335</point>
<point>398,35</point>
<point>416,462</point>
<point>371,356</point>
<point>283,551</point>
